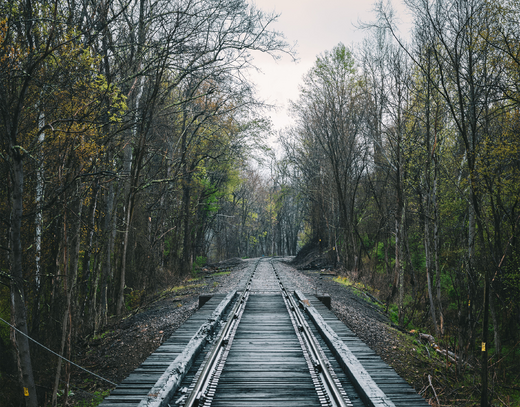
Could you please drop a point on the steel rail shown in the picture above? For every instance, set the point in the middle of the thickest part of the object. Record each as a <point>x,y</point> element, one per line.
<point>198,394</point>
<point>321,366</point>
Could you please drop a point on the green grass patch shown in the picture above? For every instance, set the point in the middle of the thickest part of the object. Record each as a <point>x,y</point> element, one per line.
<point>95,400</point>
<point>176,289</point>
<point>185,287</point>
<point>393,313</point>
<point>101,336</point>
<point>221,273</point>
<point>347,282</point>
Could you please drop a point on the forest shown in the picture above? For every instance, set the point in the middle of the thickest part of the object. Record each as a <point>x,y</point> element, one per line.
<point>409,165</point>
<point>132,145</point>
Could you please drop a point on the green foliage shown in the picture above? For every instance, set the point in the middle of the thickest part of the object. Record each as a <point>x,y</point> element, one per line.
<point>199,262</point>
<point>380,255</point>
<point>221,273</point>
<point>95,399</point>
<point>340,59</point>
<point>367,242</point>
<point>133,299</point>
<point>212,195</point>
<point>253,241</point>
<point>167,247</point>
<point>306,235</point>
<point>101,336</point>
<point>511,277</point>
<point>393,313</point>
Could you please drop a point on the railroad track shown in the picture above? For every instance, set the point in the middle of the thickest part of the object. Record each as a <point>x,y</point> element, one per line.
<point>328,389</point>
<point>265,345</point>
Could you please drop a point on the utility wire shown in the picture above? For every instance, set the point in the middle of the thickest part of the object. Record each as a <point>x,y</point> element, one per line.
<point>51,351</point>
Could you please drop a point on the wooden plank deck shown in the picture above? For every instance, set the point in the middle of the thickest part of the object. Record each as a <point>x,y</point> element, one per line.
<point>393,385</point>
<point>265,366</point>
<point>136,386</point>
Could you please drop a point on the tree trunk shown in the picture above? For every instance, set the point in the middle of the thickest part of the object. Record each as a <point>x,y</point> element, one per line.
<point>70,273</point>
<point>399,224</point>
<point>88,284</point>
<point>64,325</point>
<point>427,245</point>
<point>485,346</point>
<point>38,222</point>
<point>496,326</point>
<point>186,198</point>
<point>18,309</point>
<point>122,276</point>
<point>110,227</point>
<point>437,246</point>
<point>398,265</point>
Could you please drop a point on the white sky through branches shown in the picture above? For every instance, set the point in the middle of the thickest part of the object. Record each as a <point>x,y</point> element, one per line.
<point>316,26</point>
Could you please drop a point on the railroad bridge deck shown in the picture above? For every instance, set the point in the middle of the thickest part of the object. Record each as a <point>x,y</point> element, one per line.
<point>264,359</point>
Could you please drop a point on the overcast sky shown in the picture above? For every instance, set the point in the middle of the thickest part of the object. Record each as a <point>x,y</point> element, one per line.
<point>316,26</point>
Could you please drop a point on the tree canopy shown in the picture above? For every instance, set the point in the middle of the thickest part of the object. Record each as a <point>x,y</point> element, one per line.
<point>128,137</point>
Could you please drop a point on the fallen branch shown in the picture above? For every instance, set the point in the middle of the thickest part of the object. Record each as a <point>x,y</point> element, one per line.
<point>448,355</point>
<point>433,388</point>
<point>444,352</point>
<point>427,337</point>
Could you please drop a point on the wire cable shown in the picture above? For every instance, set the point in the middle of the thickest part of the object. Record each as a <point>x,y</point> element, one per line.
<point>54,353</point>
